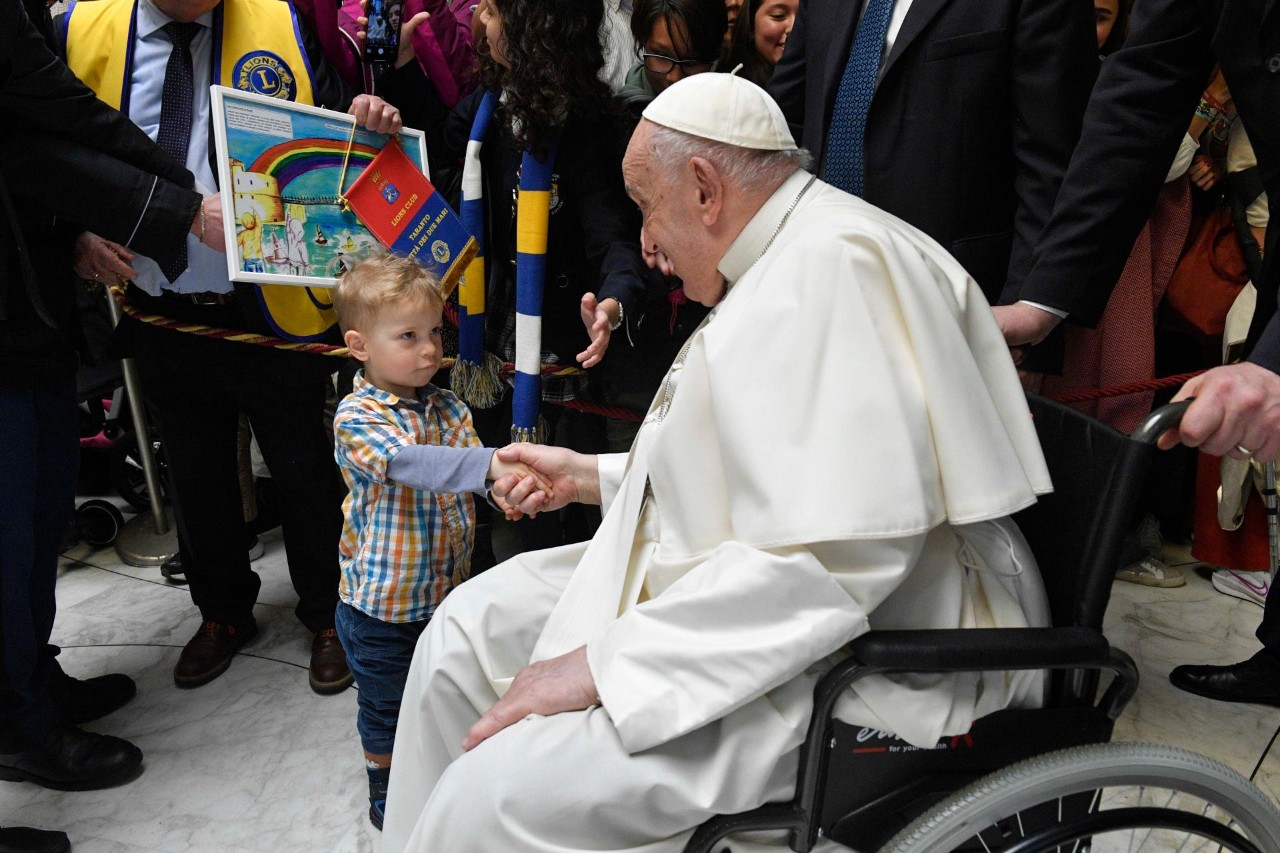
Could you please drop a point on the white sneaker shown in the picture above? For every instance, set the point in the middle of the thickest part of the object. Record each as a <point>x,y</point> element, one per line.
<point>1151,572</point>
<point>1247,586</point>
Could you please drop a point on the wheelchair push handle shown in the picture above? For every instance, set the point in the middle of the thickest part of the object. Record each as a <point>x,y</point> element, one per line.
<point>1163,418</point>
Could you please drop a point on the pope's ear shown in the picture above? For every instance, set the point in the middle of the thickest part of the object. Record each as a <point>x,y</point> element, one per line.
<point>709,188</point>
<point>356,344</point>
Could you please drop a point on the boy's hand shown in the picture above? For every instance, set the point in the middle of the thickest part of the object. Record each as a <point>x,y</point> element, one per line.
<point>499,468</point>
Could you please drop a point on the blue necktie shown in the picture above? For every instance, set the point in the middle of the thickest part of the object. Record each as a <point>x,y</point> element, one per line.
<point>175,114</point>
<point>848,131</point>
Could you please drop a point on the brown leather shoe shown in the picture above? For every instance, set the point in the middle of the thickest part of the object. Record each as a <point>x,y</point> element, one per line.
<point>209,652</point>
<point>329,671</point>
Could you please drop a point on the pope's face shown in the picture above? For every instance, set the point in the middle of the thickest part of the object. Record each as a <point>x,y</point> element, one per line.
<point>671,224</point>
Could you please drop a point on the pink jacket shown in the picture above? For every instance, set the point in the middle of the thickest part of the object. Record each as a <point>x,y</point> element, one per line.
<point>442,44</point>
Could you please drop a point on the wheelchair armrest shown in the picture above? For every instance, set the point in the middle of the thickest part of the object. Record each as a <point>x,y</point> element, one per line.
<point>980,649</point>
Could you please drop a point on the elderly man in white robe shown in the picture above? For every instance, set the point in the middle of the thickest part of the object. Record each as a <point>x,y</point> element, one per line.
<point>837,448</point>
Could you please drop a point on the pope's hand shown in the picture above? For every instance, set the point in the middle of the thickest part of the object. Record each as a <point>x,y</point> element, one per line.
<point>599,318</point>
<point>547,687</point>
<point>375,114</point>
<point>1236,408</point>
<point>574,477</point>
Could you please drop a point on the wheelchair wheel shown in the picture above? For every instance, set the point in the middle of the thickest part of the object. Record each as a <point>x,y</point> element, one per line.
<point>98,522</point>
<point>1104,797</point>
<point>125,470</point>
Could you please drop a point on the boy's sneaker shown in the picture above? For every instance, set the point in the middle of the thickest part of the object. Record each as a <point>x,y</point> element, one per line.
<point>1247,586</point>
<point>378,779</point>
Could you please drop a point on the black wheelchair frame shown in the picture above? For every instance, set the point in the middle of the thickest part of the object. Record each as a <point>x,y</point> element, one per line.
<point>1077,535</point>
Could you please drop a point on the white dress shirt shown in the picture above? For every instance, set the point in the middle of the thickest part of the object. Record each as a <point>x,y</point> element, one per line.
<point>207,269</point>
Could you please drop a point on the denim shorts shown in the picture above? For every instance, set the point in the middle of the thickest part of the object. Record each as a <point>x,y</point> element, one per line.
<point>379,654</point>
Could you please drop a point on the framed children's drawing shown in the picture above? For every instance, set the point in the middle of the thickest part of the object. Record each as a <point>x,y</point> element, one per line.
<point>284,170</point>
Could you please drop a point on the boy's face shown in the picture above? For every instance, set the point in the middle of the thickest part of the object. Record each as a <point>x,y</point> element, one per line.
<point>401,350</point>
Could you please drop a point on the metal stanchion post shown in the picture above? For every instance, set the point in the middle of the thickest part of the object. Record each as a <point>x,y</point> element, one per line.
<point>147,539</point>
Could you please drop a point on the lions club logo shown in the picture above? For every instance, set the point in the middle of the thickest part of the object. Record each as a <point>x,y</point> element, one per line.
<point>440,251</point>
<point>265,73</point>
<point>390,193</point>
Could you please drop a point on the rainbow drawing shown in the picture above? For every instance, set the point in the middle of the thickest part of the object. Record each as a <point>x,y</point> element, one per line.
<point>288,160</point>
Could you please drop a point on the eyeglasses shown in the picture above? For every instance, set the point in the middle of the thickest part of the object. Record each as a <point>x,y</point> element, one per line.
<point>659,64</point>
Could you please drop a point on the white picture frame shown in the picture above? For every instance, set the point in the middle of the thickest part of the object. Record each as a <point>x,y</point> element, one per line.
<point>281,163</point>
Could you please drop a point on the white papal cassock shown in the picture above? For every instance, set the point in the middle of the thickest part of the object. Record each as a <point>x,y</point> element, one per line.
<point>837,449</point>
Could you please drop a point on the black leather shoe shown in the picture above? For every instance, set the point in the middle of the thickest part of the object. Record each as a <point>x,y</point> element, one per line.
<point>24,839</point>
<point>70,759</point>
<point>80,701</point>
<point>208,654</point>
<point>1255,680</point>
<point>172,570</point>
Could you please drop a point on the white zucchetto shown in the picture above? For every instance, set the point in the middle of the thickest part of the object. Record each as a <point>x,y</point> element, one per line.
<point>723,108</point>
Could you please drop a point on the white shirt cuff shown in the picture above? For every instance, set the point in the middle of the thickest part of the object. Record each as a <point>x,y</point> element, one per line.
<point>1057,312</point>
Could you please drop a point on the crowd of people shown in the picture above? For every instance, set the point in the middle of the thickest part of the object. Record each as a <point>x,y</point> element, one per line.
<point>812,243</point>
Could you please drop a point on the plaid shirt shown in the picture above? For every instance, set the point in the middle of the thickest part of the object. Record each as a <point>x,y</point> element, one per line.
<point>402,549</point>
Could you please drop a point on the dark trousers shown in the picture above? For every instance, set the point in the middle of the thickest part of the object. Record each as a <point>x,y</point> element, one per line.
<point>195,388</point>
<point>40,431</point>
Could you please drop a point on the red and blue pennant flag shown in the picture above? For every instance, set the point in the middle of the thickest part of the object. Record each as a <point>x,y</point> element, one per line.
<point>399,205</point>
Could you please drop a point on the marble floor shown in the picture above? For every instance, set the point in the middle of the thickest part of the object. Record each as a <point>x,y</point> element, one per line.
<point>255,761</point>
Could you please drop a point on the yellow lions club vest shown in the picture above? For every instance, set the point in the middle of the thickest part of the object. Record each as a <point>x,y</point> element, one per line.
<point>96,29</point>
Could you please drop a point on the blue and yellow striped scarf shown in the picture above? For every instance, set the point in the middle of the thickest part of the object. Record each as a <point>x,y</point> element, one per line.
<point>475,374</point>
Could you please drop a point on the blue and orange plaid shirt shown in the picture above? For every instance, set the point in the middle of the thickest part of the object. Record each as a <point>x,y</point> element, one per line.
<point>402,549</point>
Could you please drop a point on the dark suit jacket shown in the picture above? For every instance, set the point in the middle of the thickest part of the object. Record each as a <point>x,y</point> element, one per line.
<point>1137,116</point>
<point>973,121</point>
<point>67,162</point>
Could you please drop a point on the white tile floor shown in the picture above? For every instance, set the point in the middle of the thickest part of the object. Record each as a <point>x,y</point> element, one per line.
<point>257,762</point>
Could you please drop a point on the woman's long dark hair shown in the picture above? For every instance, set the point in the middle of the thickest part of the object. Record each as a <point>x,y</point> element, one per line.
<point>742,47</point>
<point>556,57</point>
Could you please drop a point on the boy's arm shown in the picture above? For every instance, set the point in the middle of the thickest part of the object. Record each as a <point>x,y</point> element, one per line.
<point>432,468</point>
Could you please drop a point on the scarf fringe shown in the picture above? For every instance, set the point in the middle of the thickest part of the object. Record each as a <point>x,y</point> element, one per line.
<point>480,385</point>
<point>537,435</point>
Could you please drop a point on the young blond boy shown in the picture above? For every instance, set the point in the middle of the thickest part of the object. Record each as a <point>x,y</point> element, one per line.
<point>411,460</point>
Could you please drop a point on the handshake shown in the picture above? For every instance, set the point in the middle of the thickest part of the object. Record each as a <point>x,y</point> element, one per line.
<point>533,478</point>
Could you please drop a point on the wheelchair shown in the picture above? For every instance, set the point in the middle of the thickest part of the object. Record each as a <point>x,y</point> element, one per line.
<point>1022,780</point>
